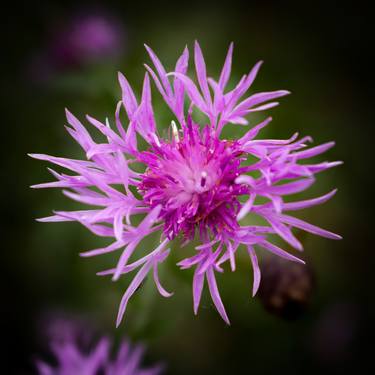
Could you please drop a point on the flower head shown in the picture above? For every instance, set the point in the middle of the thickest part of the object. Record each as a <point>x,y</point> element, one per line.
<point>194,183</point>
<point>73,358</point>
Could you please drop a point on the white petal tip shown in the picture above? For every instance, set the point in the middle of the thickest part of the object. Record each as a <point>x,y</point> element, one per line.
<point>298,247</point>
<point>227,321</point>
<point>240,216</point>
<point>35,156</point>
<point>101,273</point>
<point>42,220</point>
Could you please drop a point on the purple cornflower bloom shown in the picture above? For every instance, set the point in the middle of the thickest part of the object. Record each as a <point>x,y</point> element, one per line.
<point>73,358</point>
<point>192,181</point>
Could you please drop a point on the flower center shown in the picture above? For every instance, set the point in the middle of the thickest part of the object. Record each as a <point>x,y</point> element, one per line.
<point>192,178</point>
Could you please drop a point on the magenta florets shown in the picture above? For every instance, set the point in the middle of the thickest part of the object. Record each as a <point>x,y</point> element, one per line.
<point>193,177</point>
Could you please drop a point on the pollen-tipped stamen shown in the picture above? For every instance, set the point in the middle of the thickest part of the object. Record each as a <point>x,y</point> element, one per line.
<point>175,131</point>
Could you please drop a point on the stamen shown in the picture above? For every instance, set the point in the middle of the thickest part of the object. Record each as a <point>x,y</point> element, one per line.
<point>155,139</point>
<point>175,131</point>
<point>203,179</point>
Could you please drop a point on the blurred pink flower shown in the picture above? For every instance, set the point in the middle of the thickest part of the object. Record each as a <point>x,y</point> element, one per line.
<point>85,37</point>
<point>74,358</point>
<point>88,37</point>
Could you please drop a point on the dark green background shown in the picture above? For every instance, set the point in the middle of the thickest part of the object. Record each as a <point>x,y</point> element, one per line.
<point>321,54</point>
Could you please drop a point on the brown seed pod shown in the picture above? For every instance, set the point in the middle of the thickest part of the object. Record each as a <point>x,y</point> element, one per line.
<point>286,287</point>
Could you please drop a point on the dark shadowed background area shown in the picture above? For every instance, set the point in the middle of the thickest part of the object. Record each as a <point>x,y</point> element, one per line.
<point>67,55</point>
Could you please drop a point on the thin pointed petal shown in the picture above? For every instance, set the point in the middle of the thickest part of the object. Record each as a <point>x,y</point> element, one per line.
<point>198,282</point>
<point>313,151</point>
<point>280,252</point>
<point>298,223</point>
<point>256,269</point>
<point>225,73</point>
<point>292,206</point>
<point>215,295</point>
<point>161,71</point>
<point>160,288</point>
<point>284,232</point>
<point>136,282</point>
<point>200,66</point>
<point>128,97</point>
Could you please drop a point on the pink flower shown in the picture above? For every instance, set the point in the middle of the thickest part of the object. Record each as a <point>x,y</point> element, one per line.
<point>192,181</point>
